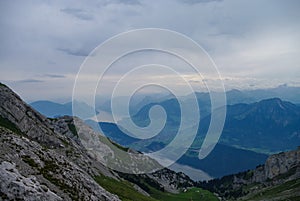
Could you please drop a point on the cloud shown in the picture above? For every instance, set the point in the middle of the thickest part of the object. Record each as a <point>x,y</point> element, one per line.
<point>54,76</point>
<point>29,81</point>
<point>78,13</point>
<point>199,1</point>
<point>255,39</point>
<point>128,2</point>
<point>81,53</point>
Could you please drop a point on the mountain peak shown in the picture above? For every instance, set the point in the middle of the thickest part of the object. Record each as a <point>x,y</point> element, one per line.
<point>234,91</point>
<point>277,103</point>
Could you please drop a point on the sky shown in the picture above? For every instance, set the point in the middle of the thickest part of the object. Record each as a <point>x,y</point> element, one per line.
<point>254,44</point>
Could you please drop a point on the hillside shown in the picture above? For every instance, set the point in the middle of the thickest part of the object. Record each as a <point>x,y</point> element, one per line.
<point>44,159</point>
<point>268,126</point>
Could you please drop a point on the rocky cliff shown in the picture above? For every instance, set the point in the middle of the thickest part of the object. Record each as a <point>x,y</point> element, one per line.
<point>279,164</point>
<point>277,179</point>
<point>282,163</point>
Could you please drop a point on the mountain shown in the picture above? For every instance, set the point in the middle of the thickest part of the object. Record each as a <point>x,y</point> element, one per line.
<point>268,126</point>
<point>51,159</point>
<point>52,109</point>
<point>233,97</point>
<point>137,101</point>
<point>251,132</point>
<point>284,92</point>
<point>277,179</point>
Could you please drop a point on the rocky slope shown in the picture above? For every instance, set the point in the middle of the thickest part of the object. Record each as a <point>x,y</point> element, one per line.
<point>34,145</point>
<point>46,159</point>
<point>279,164</point>
<point>277,179</point>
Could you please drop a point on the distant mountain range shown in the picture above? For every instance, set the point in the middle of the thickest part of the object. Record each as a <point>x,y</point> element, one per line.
<point>137,102</point>
<point>251,132</point>
<point>52,109</point>
<point>254,128</point>
<point>284,92</point>
<point>268,126</point>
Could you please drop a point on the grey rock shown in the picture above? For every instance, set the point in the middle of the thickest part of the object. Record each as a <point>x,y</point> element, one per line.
<point>281,163</point>
<point>51,169</point>
<point>16,186</point>
<point>28,121</point>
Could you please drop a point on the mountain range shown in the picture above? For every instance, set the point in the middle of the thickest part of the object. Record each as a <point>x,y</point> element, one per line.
<point>252,130</point>
<point>45,159</point>
<point>52,109</point>
<point>137,102</point>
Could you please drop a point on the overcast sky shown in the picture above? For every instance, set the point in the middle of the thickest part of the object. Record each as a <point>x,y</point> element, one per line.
<point>255,44</point>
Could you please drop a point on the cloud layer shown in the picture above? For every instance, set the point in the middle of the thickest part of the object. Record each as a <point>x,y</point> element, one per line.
<point>248,40</point>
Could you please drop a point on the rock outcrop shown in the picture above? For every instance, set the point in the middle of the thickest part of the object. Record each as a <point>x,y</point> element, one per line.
<point>282,163</point>
<point>51,168</point>
<point>280,172</point>
<point>279,164</point>
<point>28,121</point>
<point>16,186</point>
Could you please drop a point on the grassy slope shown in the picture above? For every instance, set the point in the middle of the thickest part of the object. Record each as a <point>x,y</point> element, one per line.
<point>195,194</point>
<point>287,191</point>
<point>126,192</point>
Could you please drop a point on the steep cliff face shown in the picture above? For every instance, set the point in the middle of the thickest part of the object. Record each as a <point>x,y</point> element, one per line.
<point>285,163</point>
<point>29,122</point>
<point>282,163</point>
